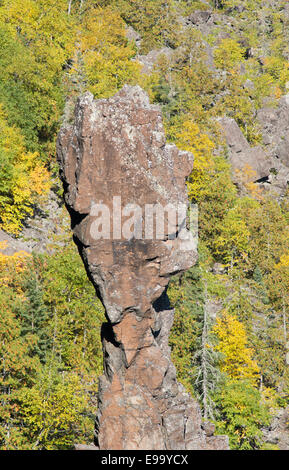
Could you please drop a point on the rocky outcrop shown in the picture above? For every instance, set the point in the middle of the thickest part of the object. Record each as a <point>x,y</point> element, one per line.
<point>134,36</point>
<point>274,122</point>
<point>241,155</point>
<point>149,60</point>
<point>9,245</point>
<point>277,434</point>
<point>267,165</point>
<point>115,162</point>
<point>39,230</point>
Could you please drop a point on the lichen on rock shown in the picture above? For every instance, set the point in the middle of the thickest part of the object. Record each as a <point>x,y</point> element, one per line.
<point>115,157</point>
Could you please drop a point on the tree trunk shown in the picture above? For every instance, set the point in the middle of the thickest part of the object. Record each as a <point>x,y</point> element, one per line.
<point>204,357</point>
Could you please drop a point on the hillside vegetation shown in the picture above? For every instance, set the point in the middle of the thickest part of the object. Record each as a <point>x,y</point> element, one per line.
<point>230,337</point>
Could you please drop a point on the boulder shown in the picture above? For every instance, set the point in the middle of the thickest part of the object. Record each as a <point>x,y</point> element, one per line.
<point>199,17</point>
<point>133,35</point>
<point>275,129</point>
<point>277,432</point>
<point>242,156</point>
<point>149,60</point>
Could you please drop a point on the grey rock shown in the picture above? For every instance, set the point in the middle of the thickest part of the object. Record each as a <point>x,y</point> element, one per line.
<point>39,229</point>
<point>199,17</point>
<point>133,35</point>
<point>12,245</point>
<point>278,432</point>
<point>149,60</point>
<point>242,156</point>
<point>275,129</point>
<point>249,84</point>
<point>85,447</point>
<point>236,141</point>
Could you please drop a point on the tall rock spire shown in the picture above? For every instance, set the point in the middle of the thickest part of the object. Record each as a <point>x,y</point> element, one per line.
<point>124,188</point>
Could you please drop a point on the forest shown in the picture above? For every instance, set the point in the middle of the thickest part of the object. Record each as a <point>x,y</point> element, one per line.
<point>230,338</point>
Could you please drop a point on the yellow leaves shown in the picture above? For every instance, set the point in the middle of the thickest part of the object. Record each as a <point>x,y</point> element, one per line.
<point>10,138</point>
<point>274,66</point>
<point>284,262</point>
<point>53,416</point>
<point>155,20</point>
<point>192,139</point>
<point>44,26</point>
<point>246,176</point>
<point>270,397</point>
<point>238,360</point>
<point>39,179</point>
<point>277,92</point>
<point>228,54</point>
<point>38,176</point>
<point>233,241</point>
<point>16,13</point>
<point>277,68</point>
<point>11,266</point>
<point>189,137</point>
<point>105,53</point>
<point>23,178</point>
<point>29,183</point>
<point>279,281</point>
<point>100,26</point>
<point>280,276</point>
<point>3,245</point>
<point>263,86</point>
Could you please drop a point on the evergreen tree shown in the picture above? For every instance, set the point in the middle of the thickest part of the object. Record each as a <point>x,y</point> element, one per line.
<point>34,315</point>
<point>191,339</point>
<point>208,375</point>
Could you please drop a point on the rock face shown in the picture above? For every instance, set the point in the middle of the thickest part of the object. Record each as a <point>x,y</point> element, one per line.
<point>241,154</point>
<point>277,433</point>
<point>275,127</point>
<point>38,230</point>
<point>149,60</point>
<point>115,154</point>
<point>269,164</point>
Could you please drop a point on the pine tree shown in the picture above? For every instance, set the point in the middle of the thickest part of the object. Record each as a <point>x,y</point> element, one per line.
<point>208,374</point>
<point>34,316</point>
<point>191,338</point>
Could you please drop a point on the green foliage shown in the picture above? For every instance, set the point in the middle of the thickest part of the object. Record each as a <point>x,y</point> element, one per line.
<point>228,54</point>
<point>232,243</point>
<point>185,296</point>
<point>76,313</point>
<point>33,313</point>
<point>23,178</point>
<point>37,36</point>
<point>105,53</point>
<point>191,338</point>
<point>237,362</point>
<point>50,349</point>
<point>242,415</point>
<point>215,199</point>
<point>50,411</point>
<point>231,319</point>
<point>17,368</point>
<point>155,20</point>
<point>268,230</point>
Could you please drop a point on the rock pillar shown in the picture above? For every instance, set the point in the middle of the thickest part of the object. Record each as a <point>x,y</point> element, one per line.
<point>124,188</point>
